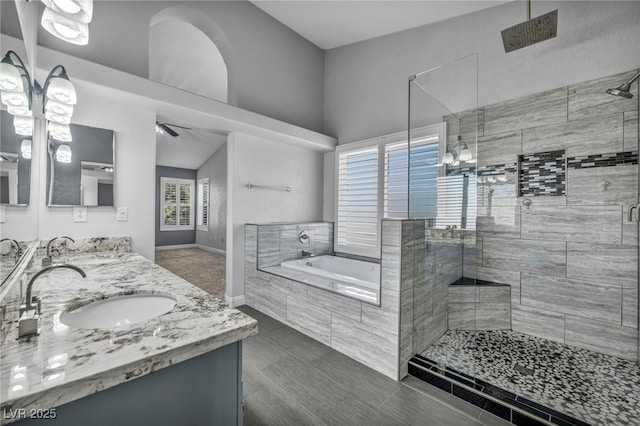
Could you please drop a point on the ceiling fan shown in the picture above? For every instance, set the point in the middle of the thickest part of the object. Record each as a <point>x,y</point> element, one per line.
<point>167,128</point>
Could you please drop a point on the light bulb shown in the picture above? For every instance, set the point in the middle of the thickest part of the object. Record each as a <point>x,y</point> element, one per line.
<point>10,78</point>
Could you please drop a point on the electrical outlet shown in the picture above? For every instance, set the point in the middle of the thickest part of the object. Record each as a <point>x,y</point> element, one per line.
<point>79,214</point>
<point>122,215</point>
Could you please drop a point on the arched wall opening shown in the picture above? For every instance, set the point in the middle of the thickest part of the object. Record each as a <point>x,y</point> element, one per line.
<point>188,50</point>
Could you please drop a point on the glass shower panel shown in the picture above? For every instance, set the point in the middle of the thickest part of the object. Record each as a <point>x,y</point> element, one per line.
<point>442,187</point>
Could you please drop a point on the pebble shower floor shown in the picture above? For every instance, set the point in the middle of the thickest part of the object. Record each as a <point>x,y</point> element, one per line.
<point>596,388</point>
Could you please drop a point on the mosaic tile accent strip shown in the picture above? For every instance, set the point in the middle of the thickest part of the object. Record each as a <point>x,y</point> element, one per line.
<point>498,169</point>
<point>602,160</point>
<point>595,388</point>
<point>542,173</point>
<point>461,171</point>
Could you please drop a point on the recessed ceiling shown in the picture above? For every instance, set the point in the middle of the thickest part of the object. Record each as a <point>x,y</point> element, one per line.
<point>334,23</point>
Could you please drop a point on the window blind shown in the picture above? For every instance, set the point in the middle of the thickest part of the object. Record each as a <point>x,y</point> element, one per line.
<point>357,207</point>
<point>177,204</point>
<point>203,204</point>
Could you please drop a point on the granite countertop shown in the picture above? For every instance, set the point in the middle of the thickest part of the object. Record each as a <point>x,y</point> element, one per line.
<point>63,364</point>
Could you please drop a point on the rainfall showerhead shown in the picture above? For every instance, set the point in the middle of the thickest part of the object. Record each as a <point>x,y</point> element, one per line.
<point>532,31</point>
<point>624,90</point>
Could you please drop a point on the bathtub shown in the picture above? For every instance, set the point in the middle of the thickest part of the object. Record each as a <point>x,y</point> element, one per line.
<point>354,278</point>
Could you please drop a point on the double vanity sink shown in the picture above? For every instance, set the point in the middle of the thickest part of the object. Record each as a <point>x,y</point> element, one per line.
<point>128,319</point>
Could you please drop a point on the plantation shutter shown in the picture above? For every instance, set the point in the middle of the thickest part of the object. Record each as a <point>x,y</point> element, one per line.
<point>357,207</point>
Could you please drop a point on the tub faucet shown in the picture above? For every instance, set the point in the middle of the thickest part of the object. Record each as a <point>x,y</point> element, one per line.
<point>14,247</point>
<point>29,322</point>
<point>307,253</point>
<point>47,260</point>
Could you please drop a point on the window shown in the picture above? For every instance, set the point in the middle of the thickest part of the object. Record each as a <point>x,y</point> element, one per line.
<point>357,207</point>
<point>409,180</point>
<point>203,204</point>
<point>177,202</point>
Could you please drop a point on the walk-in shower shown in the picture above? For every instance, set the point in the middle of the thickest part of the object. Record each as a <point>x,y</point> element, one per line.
<point>525,302</point>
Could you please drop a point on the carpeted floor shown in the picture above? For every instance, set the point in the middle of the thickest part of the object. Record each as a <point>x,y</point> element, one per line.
<point>200,267</point>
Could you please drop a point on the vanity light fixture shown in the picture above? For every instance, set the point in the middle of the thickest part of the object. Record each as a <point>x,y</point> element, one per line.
<point>10,77</point>
<point>64,28</point>
<point>58,87</point>
<point>465,154</point>
<point>63,153</point>
<point>25,149</point>
<point>14,98</point>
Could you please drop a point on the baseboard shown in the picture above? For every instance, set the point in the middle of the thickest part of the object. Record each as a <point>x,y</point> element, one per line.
<point>211,249</point>
<point>177,246</point>
<point>235,301</point>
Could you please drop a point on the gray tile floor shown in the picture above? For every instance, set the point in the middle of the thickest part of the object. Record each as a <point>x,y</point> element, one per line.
<point>291,379</point>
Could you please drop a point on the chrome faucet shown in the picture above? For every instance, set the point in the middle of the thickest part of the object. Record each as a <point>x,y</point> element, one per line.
<point>307,253</point>
<point>47,260</point>
<point>29,322</point>
<point>14,247</point>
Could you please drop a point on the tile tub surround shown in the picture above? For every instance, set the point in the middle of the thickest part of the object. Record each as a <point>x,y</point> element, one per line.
<point>589,386</point>
<point>571,260</point>
<point>94,360</point>
<point>377,336</point>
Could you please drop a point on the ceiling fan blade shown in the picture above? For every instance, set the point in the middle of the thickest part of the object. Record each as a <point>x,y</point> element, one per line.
<point>168,129</point>
<point>179,127</point>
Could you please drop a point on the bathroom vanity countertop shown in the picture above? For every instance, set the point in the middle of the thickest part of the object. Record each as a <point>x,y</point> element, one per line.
<point>64,364</point>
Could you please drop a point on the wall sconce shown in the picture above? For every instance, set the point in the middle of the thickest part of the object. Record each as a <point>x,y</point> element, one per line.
<point>68,19</point>
<point>452,158</point>
<point>59,94</point>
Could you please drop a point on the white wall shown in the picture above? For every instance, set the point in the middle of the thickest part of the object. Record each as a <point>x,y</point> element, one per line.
<point>366,82</point>
<point>134,181</point>
<point>266,162</point>
<point>215,168</point>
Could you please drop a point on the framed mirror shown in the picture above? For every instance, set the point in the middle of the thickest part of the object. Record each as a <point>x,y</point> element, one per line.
<point>15,164</point>
<point>80,172</point>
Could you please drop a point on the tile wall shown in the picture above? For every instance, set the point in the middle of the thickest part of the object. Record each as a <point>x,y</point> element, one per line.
<point>571,259</point>
<point>377,336</point>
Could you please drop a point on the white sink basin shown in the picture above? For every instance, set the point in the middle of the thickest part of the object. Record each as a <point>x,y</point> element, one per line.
<point>118,311</point>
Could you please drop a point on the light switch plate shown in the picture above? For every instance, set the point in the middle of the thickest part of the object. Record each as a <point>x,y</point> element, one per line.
<point>79,214</point>
<point>122,215</point>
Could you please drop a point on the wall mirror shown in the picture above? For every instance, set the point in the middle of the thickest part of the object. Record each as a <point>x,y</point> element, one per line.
<point>15,164</point>
<point>80,172</point>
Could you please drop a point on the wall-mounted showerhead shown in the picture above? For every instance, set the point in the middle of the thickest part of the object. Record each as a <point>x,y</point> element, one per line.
<point>624,90</point>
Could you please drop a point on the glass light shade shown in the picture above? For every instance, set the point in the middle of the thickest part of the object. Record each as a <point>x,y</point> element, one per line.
<point>10,78</point>
<point>59,108</point>
<point>22,110</point>
<point>61,90</point>
<point>14,98</point>
<point>447,158</point>
<point>78,10</point>
<point>23,125</point>
<point>60,132</point>
<point>465,155</point>
<point>25,149</point>
<point>57,118</point>
<point>63,154</point>
<point>66,29</point>
<point>159,130</point>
